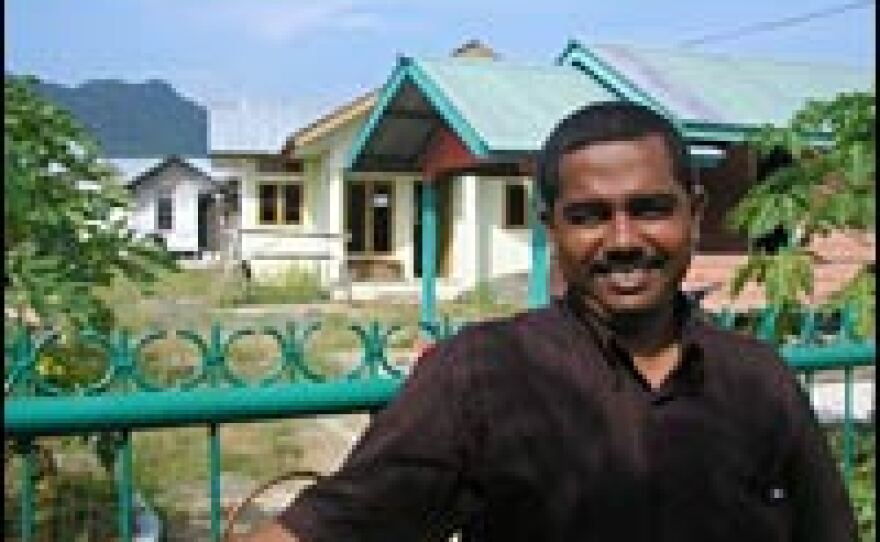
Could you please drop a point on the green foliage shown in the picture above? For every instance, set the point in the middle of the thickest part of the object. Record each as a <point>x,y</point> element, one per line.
<point>861,487</point>
<point>859,296</point>
<point>64,224</point>
<point>829,186</point>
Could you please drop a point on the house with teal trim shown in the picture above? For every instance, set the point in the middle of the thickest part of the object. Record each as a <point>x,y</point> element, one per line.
<point>428,179</point>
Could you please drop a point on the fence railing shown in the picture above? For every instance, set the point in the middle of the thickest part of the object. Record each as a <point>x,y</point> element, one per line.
<point>124,399</point>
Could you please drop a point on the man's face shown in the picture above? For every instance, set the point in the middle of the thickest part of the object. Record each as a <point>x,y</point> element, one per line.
<point>623,226</point>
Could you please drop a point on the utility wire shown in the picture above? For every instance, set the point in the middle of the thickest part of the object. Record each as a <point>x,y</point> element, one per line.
<point>779,23</point>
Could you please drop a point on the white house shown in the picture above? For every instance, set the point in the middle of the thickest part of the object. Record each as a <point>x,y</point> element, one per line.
<point>180,199</point>
<point>279,213</point>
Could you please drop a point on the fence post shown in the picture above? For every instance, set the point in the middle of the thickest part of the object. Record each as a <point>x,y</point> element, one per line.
<point>25,448</point>
<point>214,465</point>
<point>124,485</point>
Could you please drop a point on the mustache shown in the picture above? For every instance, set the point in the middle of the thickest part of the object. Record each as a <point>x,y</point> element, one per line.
<point>622,262</point>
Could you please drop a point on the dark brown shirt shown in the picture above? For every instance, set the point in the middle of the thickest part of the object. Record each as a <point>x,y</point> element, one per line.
<point>538,428</point>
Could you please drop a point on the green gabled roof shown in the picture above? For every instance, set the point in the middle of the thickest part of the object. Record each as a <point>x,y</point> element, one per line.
<point>493,106</point>
<point>703,90</point>
<point>512,107</point>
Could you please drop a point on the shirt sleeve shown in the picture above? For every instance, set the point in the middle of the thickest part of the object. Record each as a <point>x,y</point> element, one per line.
<point>401,479</point>
<point>822,511</point>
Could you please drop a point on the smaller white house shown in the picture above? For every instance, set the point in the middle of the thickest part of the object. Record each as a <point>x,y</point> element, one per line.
<point>180,200</point>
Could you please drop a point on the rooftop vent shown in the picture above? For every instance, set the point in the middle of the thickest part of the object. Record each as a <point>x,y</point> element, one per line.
<point>475,49</point>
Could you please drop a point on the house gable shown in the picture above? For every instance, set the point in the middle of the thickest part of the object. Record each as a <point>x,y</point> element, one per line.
<point>165,165</point>
<point>499,110</point>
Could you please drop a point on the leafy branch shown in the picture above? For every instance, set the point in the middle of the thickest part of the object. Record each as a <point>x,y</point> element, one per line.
<point>828,186</point>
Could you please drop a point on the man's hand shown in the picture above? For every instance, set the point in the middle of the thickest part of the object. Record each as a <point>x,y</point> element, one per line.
<point>270,532</point>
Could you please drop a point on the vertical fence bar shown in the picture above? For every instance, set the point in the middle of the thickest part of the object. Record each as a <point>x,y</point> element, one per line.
<point>214,466</point>
<point>809,377</point>
<point>767,320</point>
<point>846,334</point>
<point>848,436</point>
<point>124,486</point>
<point>807,336</point>
<point>26,450</point>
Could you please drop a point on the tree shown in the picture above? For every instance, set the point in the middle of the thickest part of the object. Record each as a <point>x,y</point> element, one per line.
<point>828,185</point>
<point>64,216</point>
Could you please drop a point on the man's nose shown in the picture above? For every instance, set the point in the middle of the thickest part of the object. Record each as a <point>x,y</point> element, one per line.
<point>623,232</point>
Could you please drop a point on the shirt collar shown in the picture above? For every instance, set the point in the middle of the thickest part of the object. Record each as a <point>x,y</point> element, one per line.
<point>689,374</point>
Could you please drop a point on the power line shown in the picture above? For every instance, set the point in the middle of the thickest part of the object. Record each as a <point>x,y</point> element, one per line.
<point>779,23</point>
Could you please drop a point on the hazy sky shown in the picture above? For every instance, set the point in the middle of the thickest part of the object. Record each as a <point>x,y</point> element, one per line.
<point>309,55</point>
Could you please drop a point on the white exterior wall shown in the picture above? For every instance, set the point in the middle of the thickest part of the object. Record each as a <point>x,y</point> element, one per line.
<point>184,188</point>
<point>482,247</point>
<point>404,216</point>
<point>465,227</point>
<point>509,249</point>
<point>314,245</point>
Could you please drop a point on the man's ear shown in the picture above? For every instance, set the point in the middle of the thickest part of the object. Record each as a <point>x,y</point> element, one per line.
<point>544,216</point>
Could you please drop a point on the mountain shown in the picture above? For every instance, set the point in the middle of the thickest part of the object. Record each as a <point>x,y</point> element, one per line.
<point>135,120</point>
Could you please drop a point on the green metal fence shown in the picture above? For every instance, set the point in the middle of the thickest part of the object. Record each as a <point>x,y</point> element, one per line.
<point>124,399</point>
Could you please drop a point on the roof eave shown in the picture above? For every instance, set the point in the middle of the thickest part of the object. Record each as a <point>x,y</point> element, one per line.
<point>723,132</point>
<point>327,124</point>
<point>580,57</point>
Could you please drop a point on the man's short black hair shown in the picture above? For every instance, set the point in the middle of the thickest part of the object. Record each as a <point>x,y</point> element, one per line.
<point>603,122</point>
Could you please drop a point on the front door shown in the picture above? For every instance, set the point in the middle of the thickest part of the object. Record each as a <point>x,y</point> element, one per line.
<point>204,221</point>
<point>369,225</point>
<point>444,227</point>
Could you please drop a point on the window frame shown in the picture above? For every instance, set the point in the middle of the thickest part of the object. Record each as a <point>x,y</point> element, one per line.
<point>164,198</point>
<point>280,203</point>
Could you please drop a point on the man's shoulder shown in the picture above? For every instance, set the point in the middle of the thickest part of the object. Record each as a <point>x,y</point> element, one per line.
<point>741,352</point>
<point>497,337</point>
<point>502,330</point>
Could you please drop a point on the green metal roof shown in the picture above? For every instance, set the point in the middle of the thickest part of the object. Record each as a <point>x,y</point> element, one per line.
<point>512,107</point>
<point>494,106</point>
<point>700,88</point>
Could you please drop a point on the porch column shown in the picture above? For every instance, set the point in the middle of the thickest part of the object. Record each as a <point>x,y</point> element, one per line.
<point>429,251</point>
<point>538,292</point>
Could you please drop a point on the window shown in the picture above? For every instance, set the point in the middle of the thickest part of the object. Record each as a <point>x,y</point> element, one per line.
<point>515,205</point>
<point>164,212</point>
<point>280,203</point>
<point>369,212</point>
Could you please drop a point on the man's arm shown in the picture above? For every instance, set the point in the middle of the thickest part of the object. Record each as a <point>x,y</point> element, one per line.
<point>401,478</point>
<point>270,532</point>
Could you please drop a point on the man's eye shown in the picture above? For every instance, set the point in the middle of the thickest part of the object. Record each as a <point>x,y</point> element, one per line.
<point>652,207</point>
<point>585,214</point>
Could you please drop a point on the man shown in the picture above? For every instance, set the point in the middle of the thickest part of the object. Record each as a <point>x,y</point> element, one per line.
<point>615,414</point>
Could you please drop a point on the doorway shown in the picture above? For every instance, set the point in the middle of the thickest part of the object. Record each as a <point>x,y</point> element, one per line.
<point>204,214</point>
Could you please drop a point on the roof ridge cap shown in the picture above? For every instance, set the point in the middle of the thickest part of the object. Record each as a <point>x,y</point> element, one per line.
<point>505,63</point>
<point>721,55</point>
